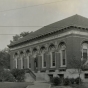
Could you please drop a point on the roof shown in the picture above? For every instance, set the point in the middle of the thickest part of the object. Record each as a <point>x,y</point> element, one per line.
<point>75,20</point>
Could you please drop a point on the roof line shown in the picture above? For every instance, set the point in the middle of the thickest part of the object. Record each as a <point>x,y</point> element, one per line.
<point>49,33</point>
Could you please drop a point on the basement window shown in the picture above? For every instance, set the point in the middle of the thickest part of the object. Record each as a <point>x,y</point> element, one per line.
<point>86,76</point>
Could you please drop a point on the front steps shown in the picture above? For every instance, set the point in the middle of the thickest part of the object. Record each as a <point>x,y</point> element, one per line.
<point>42,77</point>
<point>31,76</point>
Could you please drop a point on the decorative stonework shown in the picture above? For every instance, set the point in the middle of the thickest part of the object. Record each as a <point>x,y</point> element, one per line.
<point>43,40</point>
<point>53,37</point>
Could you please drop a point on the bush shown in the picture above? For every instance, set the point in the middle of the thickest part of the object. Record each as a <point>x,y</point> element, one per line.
<point>19,74</point>
<point>72,80</point>
<point>77,80</point>
<point>6,76</point>
<point>66,81</point>
<point>56,81</point>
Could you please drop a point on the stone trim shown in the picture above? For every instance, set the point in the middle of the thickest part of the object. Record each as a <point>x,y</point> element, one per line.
<point>44,40</point>
<point>51,38</point>
<point>52,32</point>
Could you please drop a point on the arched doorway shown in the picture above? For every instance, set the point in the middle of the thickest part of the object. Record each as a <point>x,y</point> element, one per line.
<point>36,64</point>
<point>35,53</point>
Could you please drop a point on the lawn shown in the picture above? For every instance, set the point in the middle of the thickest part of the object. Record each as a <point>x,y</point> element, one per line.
<point>14,84</point>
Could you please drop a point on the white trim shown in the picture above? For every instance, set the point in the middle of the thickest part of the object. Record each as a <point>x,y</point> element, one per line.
<point>21,60</point>
<point>15,62</point>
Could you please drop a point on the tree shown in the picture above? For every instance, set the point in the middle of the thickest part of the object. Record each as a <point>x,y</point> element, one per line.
<point>77,64</point>
<point>6,50</point>
<point>16,37</point>
<point>23,34</point>
<point>4,60</point>
<point>6,76</point>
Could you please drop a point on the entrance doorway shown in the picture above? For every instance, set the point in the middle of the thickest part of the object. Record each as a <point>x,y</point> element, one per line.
<point>36,64</point>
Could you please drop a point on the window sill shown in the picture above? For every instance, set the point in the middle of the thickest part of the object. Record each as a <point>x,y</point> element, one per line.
<point>53,67</point>
<point>43,67</point>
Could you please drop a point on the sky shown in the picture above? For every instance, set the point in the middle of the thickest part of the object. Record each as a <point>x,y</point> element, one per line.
<point>18,16</point>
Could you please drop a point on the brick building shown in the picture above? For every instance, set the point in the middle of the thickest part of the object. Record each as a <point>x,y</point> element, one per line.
<point>49,51</point>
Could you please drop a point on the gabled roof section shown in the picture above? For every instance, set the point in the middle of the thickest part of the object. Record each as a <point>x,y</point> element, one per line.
<point>75,20</point>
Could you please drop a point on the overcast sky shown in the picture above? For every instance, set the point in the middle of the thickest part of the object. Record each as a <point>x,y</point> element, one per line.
<point>35,13</point>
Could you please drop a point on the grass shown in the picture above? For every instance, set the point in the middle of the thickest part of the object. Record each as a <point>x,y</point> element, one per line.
<point>61,87</point>
<point>14,84</point>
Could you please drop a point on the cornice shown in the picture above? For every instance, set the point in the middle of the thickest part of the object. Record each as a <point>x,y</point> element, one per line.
<point>51,38</point>
<point>52,32</point>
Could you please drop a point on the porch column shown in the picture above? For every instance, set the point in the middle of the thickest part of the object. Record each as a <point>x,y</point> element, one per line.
<point>27,61</point>
<point>18,62</point>
<point>32,63</point>
<point>15,62</point>
<point>39,62</point>
<point>21,62</point>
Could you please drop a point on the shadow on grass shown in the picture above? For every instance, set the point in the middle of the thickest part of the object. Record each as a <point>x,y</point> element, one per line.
<point>79,86</point>
<point>14,84</point>
<point>72,86</point>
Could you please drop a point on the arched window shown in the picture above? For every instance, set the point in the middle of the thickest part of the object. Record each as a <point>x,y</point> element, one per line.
<point>84,51</point>
<point>43,53</point>
<point>62,47</point>
<point>52,55</point>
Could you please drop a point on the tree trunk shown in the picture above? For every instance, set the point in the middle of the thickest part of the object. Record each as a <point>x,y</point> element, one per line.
<point>79,80</point>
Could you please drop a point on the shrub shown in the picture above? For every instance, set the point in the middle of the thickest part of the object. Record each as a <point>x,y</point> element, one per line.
<point>66,81</point>
<point>19,74</point>
<point>72,80</point>
<point>6,76</point>
<point>77,80</point>
<point>56,81</point>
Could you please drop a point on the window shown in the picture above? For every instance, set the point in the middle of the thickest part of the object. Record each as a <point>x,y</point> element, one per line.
<point>63,55</point>
<point>36,62</point>
<point>29,62</point>
<point>86,76</point>
<point>23,62</point>
<point>53,59</point>
<point>44,60</point>
<point>84,51</point>
<point>52,55</point>
<point>43,56</point>
<point>85,54</point>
